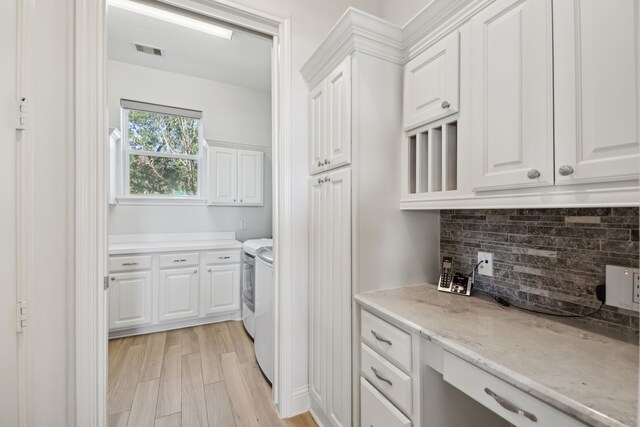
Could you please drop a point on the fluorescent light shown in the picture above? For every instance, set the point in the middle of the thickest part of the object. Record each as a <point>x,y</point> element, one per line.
<point>173,18</point>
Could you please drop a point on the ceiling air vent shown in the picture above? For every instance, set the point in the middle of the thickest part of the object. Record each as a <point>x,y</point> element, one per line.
<point>148,49</point>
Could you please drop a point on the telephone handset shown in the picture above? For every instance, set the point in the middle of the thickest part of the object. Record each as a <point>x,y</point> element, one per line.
<point>453,283</point>
<point>445,277</point>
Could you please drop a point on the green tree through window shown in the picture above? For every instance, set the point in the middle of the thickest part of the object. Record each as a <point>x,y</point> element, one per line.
<point>164,154</point>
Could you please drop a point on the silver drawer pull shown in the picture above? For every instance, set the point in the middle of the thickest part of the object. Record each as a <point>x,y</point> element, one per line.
<point>380,377</point>
<point>379,338</point>
<point>224,257</point>
<point>180,260</point>
<point>510,406</point>
<point>130,263</point>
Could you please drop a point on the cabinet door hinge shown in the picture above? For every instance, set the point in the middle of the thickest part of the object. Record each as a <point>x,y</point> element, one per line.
<point>21,114</point>
<point>21,311</point>
<point>106,282</point>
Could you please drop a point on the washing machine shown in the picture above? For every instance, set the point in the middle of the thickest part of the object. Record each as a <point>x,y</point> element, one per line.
<point>264,312</point>
<point>249,249</point>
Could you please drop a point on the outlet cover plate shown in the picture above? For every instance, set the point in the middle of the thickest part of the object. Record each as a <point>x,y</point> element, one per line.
<point>486,268</point>
<point>623,287</point>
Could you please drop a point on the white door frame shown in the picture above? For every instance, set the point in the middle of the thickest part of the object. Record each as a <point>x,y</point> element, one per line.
<point>91,195</point>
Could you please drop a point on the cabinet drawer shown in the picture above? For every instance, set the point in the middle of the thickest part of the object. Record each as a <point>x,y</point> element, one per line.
<point>375,410</point>
<point>391,381</point>
<point>129,263</point>
<point>391,342</point>
<point>223,257</point>
<point>179,260</point>
<point>512,404</point>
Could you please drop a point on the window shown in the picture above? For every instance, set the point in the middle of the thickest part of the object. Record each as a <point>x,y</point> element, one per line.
<point>162,151</point>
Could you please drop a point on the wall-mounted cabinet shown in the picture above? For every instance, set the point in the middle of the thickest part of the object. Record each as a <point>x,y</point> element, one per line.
<point>432,83</point>
<point>547,113</point>
<point>511,111</point>
<point>330,120</point>
<point>236,177</point>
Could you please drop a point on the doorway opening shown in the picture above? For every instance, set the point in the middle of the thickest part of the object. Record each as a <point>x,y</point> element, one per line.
<point>174,165</point>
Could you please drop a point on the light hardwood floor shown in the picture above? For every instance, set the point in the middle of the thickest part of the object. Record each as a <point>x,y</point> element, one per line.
<point>201,376</point>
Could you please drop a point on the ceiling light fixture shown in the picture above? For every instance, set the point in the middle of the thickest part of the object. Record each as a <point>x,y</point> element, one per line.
<point>173,18</point>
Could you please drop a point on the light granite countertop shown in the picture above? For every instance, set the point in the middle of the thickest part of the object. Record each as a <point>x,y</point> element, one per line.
<point>591,375</point>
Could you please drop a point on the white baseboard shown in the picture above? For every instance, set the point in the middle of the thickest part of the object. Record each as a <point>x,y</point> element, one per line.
<point>318,416</point>
<point>300,400</point>
<point>236,315</point>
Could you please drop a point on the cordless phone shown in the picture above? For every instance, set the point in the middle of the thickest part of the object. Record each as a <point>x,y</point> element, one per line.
<point>445,277</point>
<point>453,283</point>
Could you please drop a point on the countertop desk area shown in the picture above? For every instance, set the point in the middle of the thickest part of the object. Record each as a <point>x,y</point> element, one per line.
<point>587,373</point>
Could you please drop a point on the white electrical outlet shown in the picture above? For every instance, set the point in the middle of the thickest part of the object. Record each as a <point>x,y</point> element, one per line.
<point>486,267</point>
<point>623,287</point>
<point>243,224</point>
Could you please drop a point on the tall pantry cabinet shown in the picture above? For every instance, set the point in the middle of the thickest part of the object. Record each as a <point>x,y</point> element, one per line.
<point>359,238</point>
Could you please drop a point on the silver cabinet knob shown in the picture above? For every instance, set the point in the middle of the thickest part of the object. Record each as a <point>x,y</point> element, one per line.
<point>240,200</point>
<point>327,162</point>
<point>565,170</point>
<point>113,278</point>
<point>533,174</point>
<point>209,270</point>
<point>319,163</point>
<point>327,179</point>
<point>320,181</point>
<point>195,271</point>
<point>234,200</point>
<point>445,104</point>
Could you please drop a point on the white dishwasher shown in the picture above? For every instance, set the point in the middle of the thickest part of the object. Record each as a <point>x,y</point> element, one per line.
<point>265,320</point>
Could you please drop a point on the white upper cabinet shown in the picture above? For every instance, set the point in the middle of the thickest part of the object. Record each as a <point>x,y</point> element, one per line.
<point>511,111</point>
<point>338,143</point>
<point>330,120</point>
<point>317,128</point>
<point>250,177</point>
<point>223,169</point>
<point>432,83</point>
<point>236,177</point>
<point>595,91</point>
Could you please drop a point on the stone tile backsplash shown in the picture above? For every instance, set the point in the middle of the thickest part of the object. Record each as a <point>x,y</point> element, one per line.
<point>548,259</point>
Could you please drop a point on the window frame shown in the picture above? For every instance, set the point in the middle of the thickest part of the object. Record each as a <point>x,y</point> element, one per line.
<point>126,197</point>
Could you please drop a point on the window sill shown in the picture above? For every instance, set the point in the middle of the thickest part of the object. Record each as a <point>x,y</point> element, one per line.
<point>166,201</point>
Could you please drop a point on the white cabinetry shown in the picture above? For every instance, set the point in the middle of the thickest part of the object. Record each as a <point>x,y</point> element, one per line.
<point>130,299</point>
<point>547,110</point>
<point>432,82</point>
<point>236,176</point>
<point>197,282</point>
<point>178,294</point>
<point>511,108</point>
<point>221,290</point>
<point>359,239</point>
<point>595,87</point>
<point>330,120</point>
<point>330,299</point>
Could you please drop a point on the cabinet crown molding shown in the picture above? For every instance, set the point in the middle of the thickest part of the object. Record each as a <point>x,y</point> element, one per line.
<point>356,31</point>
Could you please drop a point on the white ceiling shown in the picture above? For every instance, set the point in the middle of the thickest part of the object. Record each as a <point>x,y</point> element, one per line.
<point>245,60</point>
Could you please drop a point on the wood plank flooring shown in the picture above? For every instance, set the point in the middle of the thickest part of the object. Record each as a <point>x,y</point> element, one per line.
<point>201,376</point>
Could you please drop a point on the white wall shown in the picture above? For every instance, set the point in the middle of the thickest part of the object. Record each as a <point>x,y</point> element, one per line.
<point>230,113</point>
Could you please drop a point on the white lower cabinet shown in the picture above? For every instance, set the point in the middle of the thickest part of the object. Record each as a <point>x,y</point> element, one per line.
<point>152,292</point>
<point>375,410</point>
<point>221,289</point>
<point>130,297</point>
<point>330,298</point>
<point>178,294</point>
